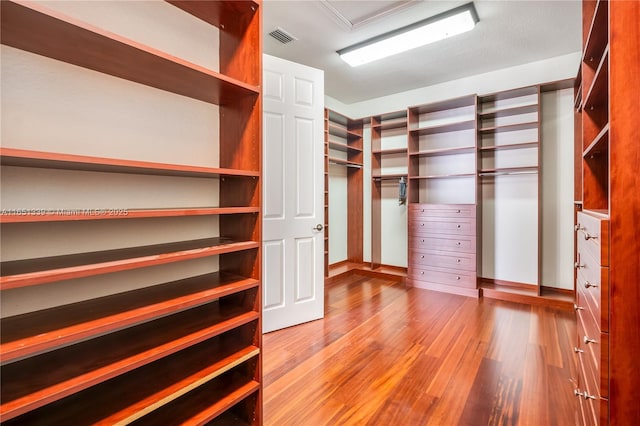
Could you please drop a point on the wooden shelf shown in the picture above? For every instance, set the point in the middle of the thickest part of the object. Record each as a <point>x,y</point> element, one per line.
<point>453,175</point>
<point>66,215</point>
<point>389,176</point>
<point>54,160</point>
<point>218,12</point>
<point>508,171</point>
<point>28,272</point>
<point>390,151</point>
<point>36,381</point>
<point>443,128</point>
<point>509,127</point>
<point>552,86</point>
<point>342,132</point>
<point>339,146</point>
<point>443,151</point>
<point>509,94</point>
<point>598,93</point>
<point>599,143</point>
<point>36,332</point>
<point>228,393</point>
<point>134,395</point>
<point>399,123</point>
<point>460,102</point>
<point>596,39</point>
<point>523,145</point>
<point>507,112</point>
<point>72,41</point>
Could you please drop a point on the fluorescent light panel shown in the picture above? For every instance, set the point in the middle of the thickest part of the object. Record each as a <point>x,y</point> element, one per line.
<point>438,27</point>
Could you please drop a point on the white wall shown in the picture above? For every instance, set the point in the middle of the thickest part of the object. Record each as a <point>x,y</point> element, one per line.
<point>557,182</point>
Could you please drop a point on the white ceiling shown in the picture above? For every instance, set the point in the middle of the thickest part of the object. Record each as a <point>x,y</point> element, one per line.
<point>509,33</point>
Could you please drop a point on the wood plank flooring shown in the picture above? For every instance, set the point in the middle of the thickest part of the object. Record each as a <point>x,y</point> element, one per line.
<point>389,355</point>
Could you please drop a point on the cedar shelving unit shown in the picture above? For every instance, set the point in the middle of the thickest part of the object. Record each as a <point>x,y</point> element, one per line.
<point>449,125</point>
<point>505,121</point>
<point>607,274</point>
<point>442,154</point>
<point>344,147</point>
<point>190,347</point>
<point>516,106</point>
<point>383,126</point>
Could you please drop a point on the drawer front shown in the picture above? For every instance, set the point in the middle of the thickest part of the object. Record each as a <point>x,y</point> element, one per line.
<point>595,347</point>
<point>588,406</point>
<point>593,285</point>
<point>459,261</point>
<point>593,237</point>
<point>442,225</point>
<point>452,243</point>
<point>452,278</point>
<point>442,210</point>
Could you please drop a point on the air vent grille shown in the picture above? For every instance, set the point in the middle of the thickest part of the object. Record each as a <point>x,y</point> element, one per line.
<point>282,36</point>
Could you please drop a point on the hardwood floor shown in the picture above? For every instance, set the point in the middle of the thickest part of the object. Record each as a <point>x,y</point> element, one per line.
<point>389,355</point>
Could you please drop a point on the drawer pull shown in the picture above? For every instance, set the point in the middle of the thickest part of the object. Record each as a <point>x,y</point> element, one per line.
<point>458,211</point>
<point>458,260</point>
<point>587,396</point>
<point>422,256</point>
<point>587,340</point>
<point>421,272</point>
<point>577,350</point>
<point>458,243</point>
<point>578,265</point>
<point>422,224</point>
<point>457,278</point>
<point>459,226</point>
<point>578,227</point>
<point>577,392</point>
<point>588,236</point>
<point>587,284</point>
<point>577,308</point>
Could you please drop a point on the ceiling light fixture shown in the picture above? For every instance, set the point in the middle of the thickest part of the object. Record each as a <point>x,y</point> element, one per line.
<point>447,24</point>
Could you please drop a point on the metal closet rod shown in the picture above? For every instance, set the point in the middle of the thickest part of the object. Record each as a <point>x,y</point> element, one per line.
<point>523,172</point>
<point>354,166</point>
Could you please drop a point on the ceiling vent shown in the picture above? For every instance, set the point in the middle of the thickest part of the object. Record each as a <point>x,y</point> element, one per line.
<point>282,36</point>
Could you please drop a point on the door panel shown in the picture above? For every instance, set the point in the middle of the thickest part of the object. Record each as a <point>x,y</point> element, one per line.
<point>293,193</point>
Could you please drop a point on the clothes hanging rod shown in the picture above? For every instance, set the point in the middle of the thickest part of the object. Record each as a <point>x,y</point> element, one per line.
<point>354,166</point>
<point>524,172</point>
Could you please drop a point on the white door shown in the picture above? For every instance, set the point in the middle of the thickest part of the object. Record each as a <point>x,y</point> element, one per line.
<point>293,189</point>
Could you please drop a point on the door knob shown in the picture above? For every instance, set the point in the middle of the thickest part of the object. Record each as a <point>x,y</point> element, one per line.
<point>318,227</point>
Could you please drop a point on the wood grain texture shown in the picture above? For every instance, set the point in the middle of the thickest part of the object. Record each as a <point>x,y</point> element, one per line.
<point>389,355</point>
<point>624,202</point>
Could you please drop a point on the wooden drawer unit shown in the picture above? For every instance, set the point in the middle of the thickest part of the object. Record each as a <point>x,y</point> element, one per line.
<point>430,258</point>
<point>442,276</point>
<point>442,210</point>
<point>593,287</point>
<point>442,246</point>
<point>593,236</point>
<point>452,243</point>
<point>442,225</point>
<point>594,346</point>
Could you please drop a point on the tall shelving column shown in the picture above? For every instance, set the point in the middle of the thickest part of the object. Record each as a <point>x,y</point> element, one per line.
<point>442,196</point>
<point>608,249</point>
<point>509,151</point>
<point>385,147</point>
<point>183,351</point>
<point>344,141</point>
